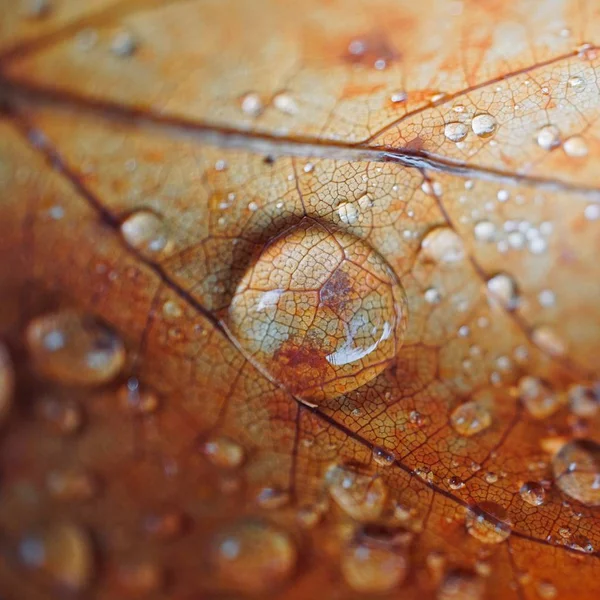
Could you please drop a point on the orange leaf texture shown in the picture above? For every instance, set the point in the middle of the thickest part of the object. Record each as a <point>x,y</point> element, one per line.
<point>300,300</point>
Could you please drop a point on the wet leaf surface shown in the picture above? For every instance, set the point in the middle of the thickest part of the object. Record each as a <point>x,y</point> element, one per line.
<point>299,300</point>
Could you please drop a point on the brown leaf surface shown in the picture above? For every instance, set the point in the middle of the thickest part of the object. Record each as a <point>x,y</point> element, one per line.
<point>436,144</point>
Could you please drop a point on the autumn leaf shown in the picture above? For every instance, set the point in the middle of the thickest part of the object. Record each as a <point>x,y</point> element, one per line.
<point>299,300</point>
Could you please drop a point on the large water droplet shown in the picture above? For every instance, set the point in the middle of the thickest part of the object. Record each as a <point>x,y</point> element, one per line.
<point>320,312</point>
<point>360,496</point>
<point>461,584</point>
<point>7,382</point>
<point>470,418</point>
<point>74,348</point>
<point>488,522</point>
<point>223,452</point>
<point>374,563</point>
<point>533,493</point>
<point>576,468</point>
<point>456,131</point>
<point>484,125</point>
<point>537,397</point>
<point>254,557</point>
<point>147,233</point>
<point>61,551</point>
<point>443,245</point>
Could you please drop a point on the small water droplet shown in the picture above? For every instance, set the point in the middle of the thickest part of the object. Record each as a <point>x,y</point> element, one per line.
<point>491,477</point>
<point>443,245</point>
<point>461,584</point>
<point>72,485</point>
<point>456,131</point>
<point>548,137</point>
<point>285,103</point>
<point>576,83</point>
<point>61,551</point>
<point>360,496</point>
<point>398,96</point>
<point>252,105</point>
<point>223,452</point>
<point>547,340</point>
<point>503,288</point>
<point>485,231</point>
<point>484,125</point>
<point>584,400</point>
<point>382,457</point>
<point>575,146</point>
<point>455,483</point>
<point>254,557</point>
<point>432,296</point>
<point>373,564</point>
<point>592,212</point>
<point>470,418</point>
<point>123,44</point>
<point>576,468</point>
<point>136,398</point>
<point>488,522</point>
<point>147,233</point>
<point>533,493</point>
<point>537,397</point>
<point>74,348</point>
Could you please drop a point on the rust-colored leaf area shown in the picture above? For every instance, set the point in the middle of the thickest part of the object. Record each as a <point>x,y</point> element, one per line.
<point>299,300</point>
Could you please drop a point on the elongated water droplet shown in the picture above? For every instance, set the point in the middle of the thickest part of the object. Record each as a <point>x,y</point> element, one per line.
<point>147,233</point>
<point>74,348</point>
<point>576,468</point>
<point>537,397</point>
<point>360,496</point>
<point>470,418</point>
<point>575,147</point>
<point>320,312</point>
<point>7,382</point>
<point>488,522</point>
<point>61,551</point>
<point>456,131</point>
<point>548,137</point>
<point>484,125</point>
<point>443,245</point>
<point>254,557</point>
<point>382,457</point>
<point>398,96</point>
<point>533,493</point>
<point>223,452</point>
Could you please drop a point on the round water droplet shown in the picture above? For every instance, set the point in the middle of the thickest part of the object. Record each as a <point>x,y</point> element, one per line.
<point>147,233</point>
<point>320,312</point>
<point>64,417</point>
<point>548,137</point>
<point>137,399</point>
<point>72,485</point>
<point>455,483</point>
<point>165,525</point>
<point>223,452</point>
<point>61,551</point>
<point>7,382</point>
<point>285,103</point>
<point>360,496</point>
<point>575,147</point>
<point>503,288</point>
<point>252,105</point>
<point>484,125</point>
<point>584,400</point>
<point>443,245</point>
<point>470,418</point>
<point>488,522</point>
<point>254,557</point>
<point>123,44</point>
<point>456,131</point>
<point>576,83</point>
<point>533,493</point>
<point>373,563</point>
<point>461,584</point>
<point>485,231</point>
<point>382,457</point>
<point>74,348</point>
<point>537,397</point>
<point>576,468</point>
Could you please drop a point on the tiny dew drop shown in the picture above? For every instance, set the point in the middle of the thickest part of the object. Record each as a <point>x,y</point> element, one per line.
<point>61,551</point>
<point>74,348</point>
<point>470,418</point>
<point>443,245</point>
<point>253,556</point>
<point>484,125</point>
<point>123,44</point>
<point>488,522</point>
<point>7,382</point>
<point>285,103</point>
<point>576,468</point>
<point>575,147</point>
<point>456,131</point>
<point>548,137</point>
<point>147,232</point>
<point>62,416</point>
<point>72,485</point>
<point>537,397</point>
<point>382,457</point>
<point>360,496</point>
<point>223,452</point>
<point>374,563</point>
<point>137,399</point>
<point>533,493</point>
<point>461,584</point>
